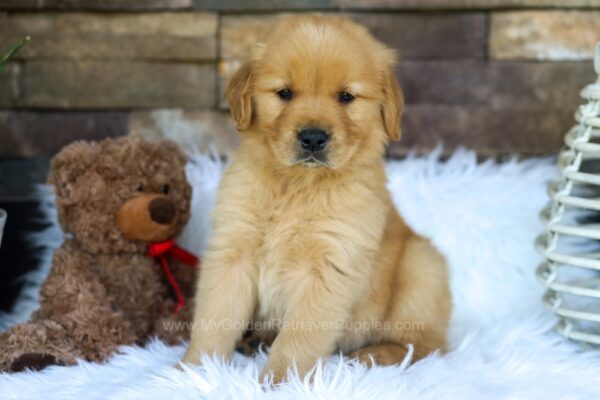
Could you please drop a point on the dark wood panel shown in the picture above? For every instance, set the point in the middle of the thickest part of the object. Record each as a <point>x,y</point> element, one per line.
<point>485,131</point>
<point>32,134</point>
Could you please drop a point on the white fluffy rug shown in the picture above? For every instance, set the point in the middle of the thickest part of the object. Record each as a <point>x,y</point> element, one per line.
<point>484,217</point>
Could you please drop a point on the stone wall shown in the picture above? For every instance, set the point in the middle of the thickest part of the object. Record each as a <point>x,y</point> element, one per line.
<point>498,76</point>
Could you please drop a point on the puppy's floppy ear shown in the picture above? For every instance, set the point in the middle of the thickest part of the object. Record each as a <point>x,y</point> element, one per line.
<point>392,105</point>
<point>239,96</point>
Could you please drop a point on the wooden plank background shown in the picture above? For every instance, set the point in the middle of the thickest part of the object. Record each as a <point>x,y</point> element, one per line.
<point>496,76</point>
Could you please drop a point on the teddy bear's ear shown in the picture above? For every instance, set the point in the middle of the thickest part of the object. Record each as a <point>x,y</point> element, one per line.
<point>70,163</point>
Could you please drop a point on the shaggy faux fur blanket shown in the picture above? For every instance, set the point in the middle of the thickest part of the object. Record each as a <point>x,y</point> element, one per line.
<point>484,217</point>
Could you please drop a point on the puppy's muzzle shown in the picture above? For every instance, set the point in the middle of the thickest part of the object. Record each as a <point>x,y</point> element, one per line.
<point>313,139</point>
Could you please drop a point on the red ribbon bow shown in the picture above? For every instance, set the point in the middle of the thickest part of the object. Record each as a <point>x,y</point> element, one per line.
<point>164,249</point>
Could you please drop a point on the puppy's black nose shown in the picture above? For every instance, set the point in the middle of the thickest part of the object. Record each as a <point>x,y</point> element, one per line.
<point>313,139</point>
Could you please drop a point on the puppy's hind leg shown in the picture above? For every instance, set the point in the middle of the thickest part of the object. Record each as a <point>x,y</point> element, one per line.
<point>381,354</point>
<point>420,308</point>
<point>391,353</point>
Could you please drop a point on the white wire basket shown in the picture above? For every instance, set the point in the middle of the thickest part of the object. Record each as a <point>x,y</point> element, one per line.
<point>571,242</point>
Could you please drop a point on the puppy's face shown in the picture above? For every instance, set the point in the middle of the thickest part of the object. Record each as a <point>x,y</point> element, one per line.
<point>318,93</point>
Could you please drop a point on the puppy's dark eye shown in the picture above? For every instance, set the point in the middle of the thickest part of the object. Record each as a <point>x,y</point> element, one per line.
<point>165,189</point>
<point>345,97</point>
<point>140,188</point>
<point>285,94</point>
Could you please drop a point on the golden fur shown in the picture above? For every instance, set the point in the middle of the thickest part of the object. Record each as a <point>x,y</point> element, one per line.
<point>317,250</point>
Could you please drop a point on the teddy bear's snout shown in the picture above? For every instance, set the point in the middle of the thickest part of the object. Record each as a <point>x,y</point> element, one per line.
<point>162,210</point>
<point>149,217</point>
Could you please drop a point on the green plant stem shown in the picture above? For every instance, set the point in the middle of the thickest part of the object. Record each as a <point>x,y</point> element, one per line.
<point>12,51</point>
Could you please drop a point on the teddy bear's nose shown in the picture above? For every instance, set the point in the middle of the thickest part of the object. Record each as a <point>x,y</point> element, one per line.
<point>162,211</point>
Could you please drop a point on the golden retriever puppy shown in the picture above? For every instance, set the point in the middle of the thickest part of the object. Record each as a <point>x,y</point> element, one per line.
<point>305,237</point>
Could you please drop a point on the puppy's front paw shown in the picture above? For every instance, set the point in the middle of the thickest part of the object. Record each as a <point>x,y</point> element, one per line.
<point>273,376</point>
<point>189,358</point>
<point>275,371</point>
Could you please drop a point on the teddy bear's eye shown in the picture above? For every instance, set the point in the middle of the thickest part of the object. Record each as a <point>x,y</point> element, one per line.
<point>140,188</point>
<point>165,189</point>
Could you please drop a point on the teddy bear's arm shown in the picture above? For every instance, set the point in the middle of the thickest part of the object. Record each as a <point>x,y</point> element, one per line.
<point>75,319</point>
<point>71,284</point>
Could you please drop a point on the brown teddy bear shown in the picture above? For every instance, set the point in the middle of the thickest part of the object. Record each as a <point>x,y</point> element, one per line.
<point>117,200</point>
